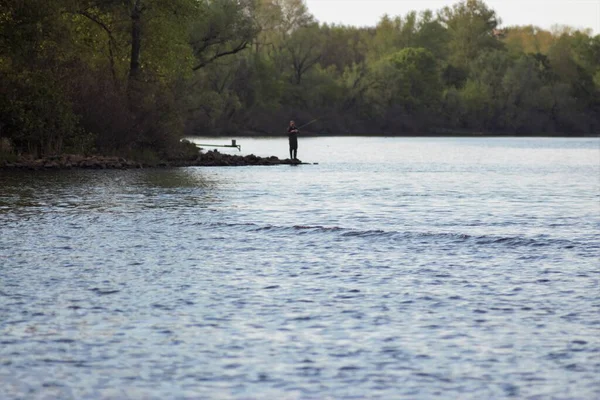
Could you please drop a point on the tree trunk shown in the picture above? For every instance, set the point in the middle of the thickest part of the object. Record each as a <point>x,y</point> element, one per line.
<point>136,39</point>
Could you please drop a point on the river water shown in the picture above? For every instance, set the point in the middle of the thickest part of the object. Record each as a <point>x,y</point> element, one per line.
<point>411,268</point>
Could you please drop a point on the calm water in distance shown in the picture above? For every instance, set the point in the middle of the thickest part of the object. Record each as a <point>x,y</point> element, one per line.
<point>396,268</point>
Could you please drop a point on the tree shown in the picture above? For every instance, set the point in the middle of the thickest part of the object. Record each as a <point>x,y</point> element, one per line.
<point>305,51</point>
<point>526,109</point>
<point>528,39</point>
<point>470,26</point>
<point>432,35</point>
<point>408,83</point>
<point>384,40</point>
<point>295,15</point>
<point>226,27</point>
<point>341,46</point>
<point>129,76</point>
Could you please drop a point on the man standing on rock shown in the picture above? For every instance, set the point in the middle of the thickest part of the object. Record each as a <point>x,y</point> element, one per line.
<point>293,137</point>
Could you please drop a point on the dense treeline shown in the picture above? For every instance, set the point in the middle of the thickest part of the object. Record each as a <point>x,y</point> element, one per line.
<point>130,77</point>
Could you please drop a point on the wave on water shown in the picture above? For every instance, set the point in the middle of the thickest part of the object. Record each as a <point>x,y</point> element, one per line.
<point>378,234</point>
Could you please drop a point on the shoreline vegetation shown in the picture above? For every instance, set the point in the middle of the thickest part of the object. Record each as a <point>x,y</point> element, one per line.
<point>211,158</point>
<point>436,133</point>
<point>129,79</point>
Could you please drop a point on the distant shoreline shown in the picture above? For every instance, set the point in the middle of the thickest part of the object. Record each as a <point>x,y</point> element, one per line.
<point>213,158</point>
<point>251,134</point>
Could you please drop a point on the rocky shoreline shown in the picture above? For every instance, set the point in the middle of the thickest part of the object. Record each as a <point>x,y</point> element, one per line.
<point>208,159</point>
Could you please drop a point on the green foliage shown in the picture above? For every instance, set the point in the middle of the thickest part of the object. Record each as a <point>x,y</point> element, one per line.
<point>223,28</point>
<point>432,35</point>
<point>37,116</point>
<point>470,26</point>
<point>597,80</point>
<point>7,153</point>
<point>476,101</point>
<point>408,79</point>
<point>304,49</point>
<point>131,77</point>
<point>7,157</point>
<point>528,39</point>
<point>526,107</point>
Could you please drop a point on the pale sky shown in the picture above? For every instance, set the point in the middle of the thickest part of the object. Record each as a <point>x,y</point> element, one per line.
<point>543,13</point>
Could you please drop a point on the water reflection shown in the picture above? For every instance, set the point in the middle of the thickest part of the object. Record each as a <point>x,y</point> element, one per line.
<point>36,191</point>
<point>176,178</point>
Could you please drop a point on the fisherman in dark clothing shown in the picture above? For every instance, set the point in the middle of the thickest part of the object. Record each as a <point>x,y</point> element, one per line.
<point>293,136</point>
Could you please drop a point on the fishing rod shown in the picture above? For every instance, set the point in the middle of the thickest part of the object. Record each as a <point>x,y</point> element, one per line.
<point>311,122</point>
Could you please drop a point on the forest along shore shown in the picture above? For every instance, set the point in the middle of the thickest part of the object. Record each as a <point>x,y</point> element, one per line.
<point>209,159</point>
<point>102,77</point>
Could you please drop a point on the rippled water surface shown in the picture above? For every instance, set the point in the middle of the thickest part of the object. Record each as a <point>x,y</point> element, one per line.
<point>396,268</point>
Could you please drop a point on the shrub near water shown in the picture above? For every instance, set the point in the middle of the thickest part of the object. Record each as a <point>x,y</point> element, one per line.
<point>7,154</point>
<point>38,116</point>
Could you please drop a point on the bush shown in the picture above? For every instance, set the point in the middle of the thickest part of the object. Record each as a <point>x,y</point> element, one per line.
<point>7,154</point>
<point>38,117</point>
